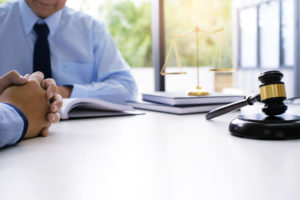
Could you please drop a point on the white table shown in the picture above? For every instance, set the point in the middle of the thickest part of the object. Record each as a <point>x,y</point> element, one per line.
<point>149,157</point>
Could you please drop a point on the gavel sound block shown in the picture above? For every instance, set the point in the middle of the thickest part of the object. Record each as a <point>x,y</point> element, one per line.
<point>273,124</point>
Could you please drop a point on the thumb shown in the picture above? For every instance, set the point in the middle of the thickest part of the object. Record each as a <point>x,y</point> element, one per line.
<point>11,78</point>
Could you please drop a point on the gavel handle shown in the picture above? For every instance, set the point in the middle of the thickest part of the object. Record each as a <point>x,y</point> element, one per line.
<point>231,107</point>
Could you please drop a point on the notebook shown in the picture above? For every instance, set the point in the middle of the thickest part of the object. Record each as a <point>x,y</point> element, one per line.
<point>180,110</point>
<point>181,98</point>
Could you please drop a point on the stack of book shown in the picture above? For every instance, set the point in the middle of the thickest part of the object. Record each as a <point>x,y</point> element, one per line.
<point>181,103</point>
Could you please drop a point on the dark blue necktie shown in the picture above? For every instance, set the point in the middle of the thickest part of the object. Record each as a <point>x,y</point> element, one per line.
<point>41,55</point>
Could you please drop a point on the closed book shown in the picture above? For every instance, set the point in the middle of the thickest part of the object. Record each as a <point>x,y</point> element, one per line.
<point>181,98</point>
<point>180,110</point>
<point>89,107</point>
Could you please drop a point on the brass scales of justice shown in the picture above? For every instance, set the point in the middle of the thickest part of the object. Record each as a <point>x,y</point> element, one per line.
<point>219,54</point>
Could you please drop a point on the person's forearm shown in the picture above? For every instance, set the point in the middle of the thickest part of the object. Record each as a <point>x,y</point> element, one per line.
<point>13,125</point>
<point>65,91</point>
<point>116,90</point>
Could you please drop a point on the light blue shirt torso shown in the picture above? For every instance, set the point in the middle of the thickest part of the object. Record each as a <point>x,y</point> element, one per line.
<point>83,53</point>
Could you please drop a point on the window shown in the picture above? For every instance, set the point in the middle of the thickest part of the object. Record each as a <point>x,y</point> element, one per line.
<point>181,17</point>
<point>129,22</point>
<point>248,31</point>
<point>269,34</point>
<point>288,32</point>
<point>266,35</point>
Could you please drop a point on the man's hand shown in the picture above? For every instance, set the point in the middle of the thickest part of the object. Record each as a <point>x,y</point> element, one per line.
<point>14,78</point>
<point>55,102</point>
<point>32,100</point>
<point>10,79</point>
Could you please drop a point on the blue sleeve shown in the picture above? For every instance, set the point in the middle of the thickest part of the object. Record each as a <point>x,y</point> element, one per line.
<point>113,80</point>
<point>13,125</point>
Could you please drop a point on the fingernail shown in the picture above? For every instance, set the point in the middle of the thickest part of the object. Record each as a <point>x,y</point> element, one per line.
<point>55,108</point>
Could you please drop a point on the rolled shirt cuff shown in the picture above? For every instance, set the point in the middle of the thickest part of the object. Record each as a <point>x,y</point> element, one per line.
<point>24,118</point>
<point>79,91</point>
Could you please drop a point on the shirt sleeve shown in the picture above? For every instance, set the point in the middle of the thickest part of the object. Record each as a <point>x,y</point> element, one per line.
<point>13,125</point>
<point>113,80</point>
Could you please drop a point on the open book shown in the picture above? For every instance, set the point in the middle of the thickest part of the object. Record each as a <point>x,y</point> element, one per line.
<point>88,107</point>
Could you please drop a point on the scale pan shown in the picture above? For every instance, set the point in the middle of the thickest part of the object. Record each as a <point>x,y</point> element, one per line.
<point>222,70</point>
<point>172,73</point>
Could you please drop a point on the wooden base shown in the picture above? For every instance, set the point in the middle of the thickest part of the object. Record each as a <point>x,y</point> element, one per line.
<point>260,126</point>
<point>223,80</point>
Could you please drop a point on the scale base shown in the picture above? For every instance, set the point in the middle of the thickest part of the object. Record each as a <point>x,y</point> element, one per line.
<point>198,92</point>
<point>260,126</point>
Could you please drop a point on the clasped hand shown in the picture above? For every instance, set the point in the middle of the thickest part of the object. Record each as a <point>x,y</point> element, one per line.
<point>35,96</point>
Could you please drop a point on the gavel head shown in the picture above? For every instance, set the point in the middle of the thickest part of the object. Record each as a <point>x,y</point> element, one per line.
<point>272,93</point>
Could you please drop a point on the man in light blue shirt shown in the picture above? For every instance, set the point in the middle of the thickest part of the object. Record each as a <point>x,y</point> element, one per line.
<point>85,61</point>
<point>25,111</point>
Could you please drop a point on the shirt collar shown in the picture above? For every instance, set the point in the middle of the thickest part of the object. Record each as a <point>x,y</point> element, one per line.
<point>29,19</point>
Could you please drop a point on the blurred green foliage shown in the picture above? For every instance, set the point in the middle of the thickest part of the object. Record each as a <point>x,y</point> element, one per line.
<point>130,26</point>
